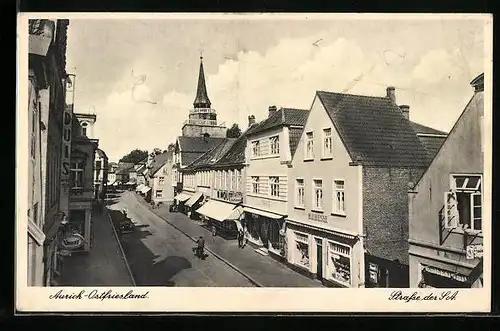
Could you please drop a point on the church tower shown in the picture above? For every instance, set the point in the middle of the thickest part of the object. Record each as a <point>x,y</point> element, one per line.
<point>202,120</point>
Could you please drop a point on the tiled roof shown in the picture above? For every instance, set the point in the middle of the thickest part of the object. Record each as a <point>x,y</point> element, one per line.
<point>294,137</point>
<point>213,155</point>
<point>101,153</point>
<point>158,162</point>
<point>419,128</point>
<point>374,130</point>
<point>124,167</point>
<point>283,116</point>
<point>432,145</point>
<point>198,144</point>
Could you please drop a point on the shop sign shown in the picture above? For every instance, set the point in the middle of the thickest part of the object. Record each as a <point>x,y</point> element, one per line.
<point>317,217</point>
<point>474,251</point>
<point>235,197</point>
<point>72,241</point>
<point>373,271</point>
<point>447,274</point>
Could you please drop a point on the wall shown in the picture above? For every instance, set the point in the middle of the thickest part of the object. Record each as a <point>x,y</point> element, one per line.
<point>166,187</point>
<point>385,211</point>
<point>264,167</point>
<point>336,167</point>
<point>197,131</point>
<point>460,153</point>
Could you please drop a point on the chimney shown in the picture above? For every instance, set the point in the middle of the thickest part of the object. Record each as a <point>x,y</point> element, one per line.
<point>272,110</point>
<point>391,94</point>
<point>405,109</point>
<point>251,120</point>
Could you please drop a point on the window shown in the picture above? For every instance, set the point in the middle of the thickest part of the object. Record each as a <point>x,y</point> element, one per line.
<point>309,145</point>
<point>35,214</point>
<point>275,145</point>
<point>233,180</point>
<point>299,192</point>
<point>339,263</point>
<point>301,252</point>
<point>327,143</point>
<point>318,194</point>
<point>255,148</point>
<point>238,180</point>
<point>255,184</point>
<point>84,129</point>
<point>98,165</point>
<point>274,186</point>
<point>76,174</point>
<point>161,180</point>
<point>159,193</point>
<point>463,203</point>
<point>338,197</point>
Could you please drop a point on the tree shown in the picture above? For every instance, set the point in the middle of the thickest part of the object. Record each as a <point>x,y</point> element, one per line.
<point>171,147</point>
<point>234,131</point>
<point>157,151</point>
<point>134,156</point>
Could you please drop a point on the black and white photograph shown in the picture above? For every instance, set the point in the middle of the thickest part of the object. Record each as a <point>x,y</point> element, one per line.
<point>274,162</point>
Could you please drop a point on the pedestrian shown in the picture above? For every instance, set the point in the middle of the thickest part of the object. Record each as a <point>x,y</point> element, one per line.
<point>240,238</point>
<point>214,230</point>
<point>200,247</point>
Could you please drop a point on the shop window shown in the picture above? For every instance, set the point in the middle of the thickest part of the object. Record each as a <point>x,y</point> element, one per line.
<point>274,186</point>
<point>299,192</point>
<point>339,263</point>
<point>77,169</point>
<point>159,193</point>
<point>318,194</point>
<point>161,180</point>
<point>309,145</point>
<point>275,145</point>
<point>255,184</point>
<point>437,278</point>
<point>274,233</point>
<point>338,197</point>
<point>463,203</point>
<point>327,143</point>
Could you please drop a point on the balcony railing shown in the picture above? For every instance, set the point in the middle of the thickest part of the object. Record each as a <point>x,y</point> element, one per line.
<point>201,122</point>
<point>231,196</point>
<point>202,111</point>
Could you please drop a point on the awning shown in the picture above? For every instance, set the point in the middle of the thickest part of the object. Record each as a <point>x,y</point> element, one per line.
<point>129,183</point>
<point>139,187</point>
<point>194,199</point>
<point>263,213</point>
<point>146,189</point>
<point>220,211</point>
<point>182,197</point>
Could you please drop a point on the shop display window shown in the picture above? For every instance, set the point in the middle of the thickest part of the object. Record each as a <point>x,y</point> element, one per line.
<point>339,263</point>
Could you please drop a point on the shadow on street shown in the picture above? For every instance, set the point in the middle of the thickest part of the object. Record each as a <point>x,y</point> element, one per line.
<point>153,272</point>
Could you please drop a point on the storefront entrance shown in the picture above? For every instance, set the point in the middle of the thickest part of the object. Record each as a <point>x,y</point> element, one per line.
<point>77,221</point>
<point>319,258</point>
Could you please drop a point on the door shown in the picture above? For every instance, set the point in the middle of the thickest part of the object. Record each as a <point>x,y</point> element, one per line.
<point>319,259</point>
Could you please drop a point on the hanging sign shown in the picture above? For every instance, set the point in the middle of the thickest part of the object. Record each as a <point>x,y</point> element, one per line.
<point>72,241</point>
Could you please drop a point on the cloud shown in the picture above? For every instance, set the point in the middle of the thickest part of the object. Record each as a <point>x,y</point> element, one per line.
<point>287,74</point>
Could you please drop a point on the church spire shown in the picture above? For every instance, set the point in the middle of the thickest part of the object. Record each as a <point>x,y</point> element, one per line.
<point>202,100</point>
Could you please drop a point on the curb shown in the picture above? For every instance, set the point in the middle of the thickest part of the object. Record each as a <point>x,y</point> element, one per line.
<point>253,281</point>
<point>119,245</point>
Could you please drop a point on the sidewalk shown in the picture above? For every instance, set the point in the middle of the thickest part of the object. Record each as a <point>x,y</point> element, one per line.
<point>263,269</point>
<point>104,264</point>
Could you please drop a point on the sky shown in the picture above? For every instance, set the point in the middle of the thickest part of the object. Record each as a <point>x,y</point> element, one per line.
<point>140,76</point>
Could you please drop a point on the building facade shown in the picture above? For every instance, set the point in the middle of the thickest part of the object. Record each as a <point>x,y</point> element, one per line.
<point>82,196</point>
<point>347,221</point>
<point>269,149</point>
<point>159,178</point>
<point>101,169</point>
<point>47,89</point>
<point>445,206</point>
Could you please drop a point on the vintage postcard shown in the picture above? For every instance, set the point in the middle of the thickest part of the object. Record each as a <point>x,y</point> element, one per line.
<point>172,163</point>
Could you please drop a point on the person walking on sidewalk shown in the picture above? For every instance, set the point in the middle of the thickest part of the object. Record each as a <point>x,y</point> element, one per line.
<point>200,248</point>
<point>240,238</point>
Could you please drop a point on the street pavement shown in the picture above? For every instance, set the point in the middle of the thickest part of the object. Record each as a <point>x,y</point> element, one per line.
<point>160,255</point>
<point>103,265</point>
<point>264,270</point>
